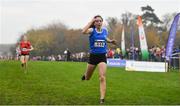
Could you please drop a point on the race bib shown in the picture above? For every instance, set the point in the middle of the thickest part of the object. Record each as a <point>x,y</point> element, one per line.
<point>24,49</point>
<point>99,43</point>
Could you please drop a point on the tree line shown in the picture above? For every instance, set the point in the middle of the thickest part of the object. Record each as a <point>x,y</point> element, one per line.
<point>54,38</point>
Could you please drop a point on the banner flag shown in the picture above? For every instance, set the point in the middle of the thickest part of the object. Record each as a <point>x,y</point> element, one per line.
<point>171,38</point>
<point>142,38</point>
<point>123,43</point>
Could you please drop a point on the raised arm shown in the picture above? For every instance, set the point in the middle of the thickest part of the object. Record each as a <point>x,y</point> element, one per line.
<point>87,29</point>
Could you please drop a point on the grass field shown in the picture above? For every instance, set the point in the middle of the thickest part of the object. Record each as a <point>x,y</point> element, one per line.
<point>60,83</point>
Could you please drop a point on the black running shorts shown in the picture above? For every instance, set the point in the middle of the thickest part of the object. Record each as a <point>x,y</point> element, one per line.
<point>24,54</point>
<point>95,59</point>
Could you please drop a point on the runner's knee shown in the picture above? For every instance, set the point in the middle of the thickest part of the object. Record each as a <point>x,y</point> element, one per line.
<point>102,78</point>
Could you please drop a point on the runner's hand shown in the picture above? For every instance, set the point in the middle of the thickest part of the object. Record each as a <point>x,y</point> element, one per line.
<point>114,42</point>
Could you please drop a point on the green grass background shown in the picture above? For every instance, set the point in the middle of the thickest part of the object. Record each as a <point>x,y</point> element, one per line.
<point>58,83</point>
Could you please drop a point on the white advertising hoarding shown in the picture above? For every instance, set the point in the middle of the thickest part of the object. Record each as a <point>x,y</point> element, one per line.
<point>146,66</point>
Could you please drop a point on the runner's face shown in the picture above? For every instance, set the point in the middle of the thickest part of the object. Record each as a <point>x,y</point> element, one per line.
<point>25,38</point>
<point>98,22</point>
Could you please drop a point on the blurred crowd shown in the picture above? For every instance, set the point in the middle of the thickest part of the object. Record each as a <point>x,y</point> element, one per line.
<point>156,53</point>
<point>80,57</point>
<point>7,57</point>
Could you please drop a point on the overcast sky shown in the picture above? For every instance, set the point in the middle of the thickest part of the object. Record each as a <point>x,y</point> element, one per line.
<point>18,16</point>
